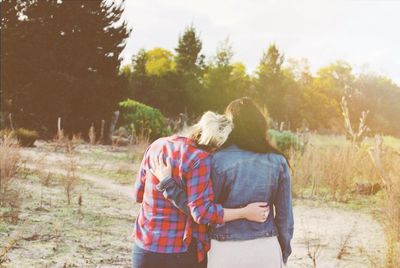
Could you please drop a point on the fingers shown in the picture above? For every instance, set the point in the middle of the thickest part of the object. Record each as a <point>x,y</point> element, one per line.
<point>152,172</point>
<point>156,162</point>
<point>262,219</point>
<point>168,162</point>
<point>264,211</point>
<point>153,165</point>
<point>261,204</point>
<point>160,160</point>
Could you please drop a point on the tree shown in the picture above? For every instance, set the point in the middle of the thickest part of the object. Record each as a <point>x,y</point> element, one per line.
<point>270,83</point>
<point>217,78</point>
<point>320,110</point>
<point>381,96</point>
<point>224,81</point>
<point>188,58</point>
<point>139,82</point>
<point>154,81</point>
<point>10,12</point>
<point>337,79</point>
<point>160,62</point>
<point>65,61</point>
<point>190,67</point>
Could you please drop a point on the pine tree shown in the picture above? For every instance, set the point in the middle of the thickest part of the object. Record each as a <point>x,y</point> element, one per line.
<point>190,67</point>
<point>65,64</point>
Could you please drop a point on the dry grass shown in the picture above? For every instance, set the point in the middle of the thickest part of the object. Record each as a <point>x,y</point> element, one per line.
<point>70,180</point>
<point>386,161</point>
<point>9,165</point>
<point>314,247</point>
<point>330,171</point>
<point>93,231</point>
<point>137,149</point>
<point>343,249</point>
<point>9,161</point>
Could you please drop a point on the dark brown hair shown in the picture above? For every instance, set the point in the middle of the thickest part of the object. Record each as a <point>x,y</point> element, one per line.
<point>249,127</point>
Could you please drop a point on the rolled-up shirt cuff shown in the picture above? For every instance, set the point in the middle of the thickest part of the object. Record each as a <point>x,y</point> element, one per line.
<point>164,184</point>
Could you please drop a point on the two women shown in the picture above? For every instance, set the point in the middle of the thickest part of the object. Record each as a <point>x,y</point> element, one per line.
<point>171,236</point>
<point>248,169</point>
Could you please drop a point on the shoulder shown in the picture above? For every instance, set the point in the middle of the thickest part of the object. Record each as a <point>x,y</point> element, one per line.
<point>158,144</point>
<point>277,158</point>
<point>197,156</point>
<point>184,149</point>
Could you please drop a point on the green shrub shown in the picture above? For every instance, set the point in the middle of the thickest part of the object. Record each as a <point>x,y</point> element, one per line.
<point>147,121</point>
<point>25,137</point>
<point>284,140</point>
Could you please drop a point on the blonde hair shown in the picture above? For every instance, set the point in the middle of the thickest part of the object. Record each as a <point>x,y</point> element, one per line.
<point>212,130</point>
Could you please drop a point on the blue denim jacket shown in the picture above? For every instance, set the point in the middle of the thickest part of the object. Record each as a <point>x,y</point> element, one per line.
<point>240,177</point>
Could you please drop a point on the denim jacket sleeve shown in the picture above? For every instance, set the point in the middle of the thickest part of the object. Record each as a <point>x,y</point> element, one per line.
<point>284,212</point>
<point>174,193</point>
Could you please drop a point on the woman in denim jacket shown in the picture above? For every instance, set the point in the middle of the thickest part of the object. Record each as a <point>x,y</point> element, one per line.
<point>246,170</point>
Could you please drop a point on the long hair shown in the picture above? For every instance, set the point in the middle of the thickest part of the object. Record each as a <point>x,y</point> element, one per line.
<point>249,127</point>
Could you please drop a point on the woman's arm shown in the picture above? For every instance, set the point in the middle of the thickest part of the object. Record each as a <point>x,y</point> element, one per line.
<point>284,212</point>
<point>257,212</point>
<point>140,180</point>
<point>174,193</point>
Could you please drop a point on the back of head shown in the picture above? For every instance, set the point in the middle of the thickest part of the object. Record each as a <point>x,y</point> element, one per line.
<point>250,127</point>
<point>211,131</point>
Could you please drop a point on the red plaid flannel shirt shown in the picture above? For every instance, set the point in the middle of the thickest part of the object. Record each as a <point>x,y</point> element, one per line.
<point>160,226</point>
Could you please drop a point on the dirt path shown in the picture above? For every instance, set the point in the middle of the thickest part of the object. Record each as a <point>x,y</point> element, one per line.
<point>325,236</point>
<point>340,238</point>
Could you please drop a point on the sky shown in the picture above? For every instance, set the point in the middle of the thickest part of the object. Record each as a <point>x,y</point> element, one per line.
<point>365,33</point>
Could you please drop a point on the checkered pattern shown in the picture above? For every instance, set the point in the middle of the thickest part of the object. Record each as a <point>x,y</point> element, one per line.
<point>160,226</point>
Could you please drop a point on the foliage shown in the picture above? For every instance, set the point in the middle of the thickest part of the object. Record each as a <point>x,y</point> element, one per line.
<point>61,59</point>
<point>284,140</point>
<point>79,81</point>
<point>147,121</point>
<point>188,58</point>
<point>159,62</point>
<point>189,67</point>
<point>182,82</point>
<point>224,81</point>
<point>270,83</point>
<point>153,80</point>
<point>26,137</point>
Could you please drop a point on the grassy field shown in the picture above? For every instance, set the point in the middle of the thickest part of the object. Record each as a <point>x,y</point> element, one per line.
<point>40,229</point>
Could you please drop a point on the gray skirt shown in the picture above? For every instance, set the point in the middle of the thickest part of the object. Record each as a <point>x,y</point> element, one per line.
<point>262,252</point>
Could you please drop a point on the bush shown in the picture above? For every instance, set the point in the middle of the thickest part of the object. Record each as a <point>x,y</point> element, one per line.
<point>147,121</point>
<point>284,140</point>
<point>25,137</point>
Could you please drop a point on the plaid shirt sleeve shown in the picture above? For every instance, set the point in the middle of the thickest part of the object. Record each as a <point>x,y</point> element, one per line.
<point>200,194</point>
<point>140,181</point>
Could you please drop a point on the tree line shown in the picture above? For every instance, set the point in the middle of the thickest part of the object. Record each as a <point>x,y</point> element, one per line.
<point>184,81</point>
<point>61,59</point>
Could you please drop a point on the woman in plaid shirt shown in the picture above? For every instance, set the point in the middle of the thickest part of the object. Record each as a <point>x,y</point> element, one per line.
<point>164,235</point>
